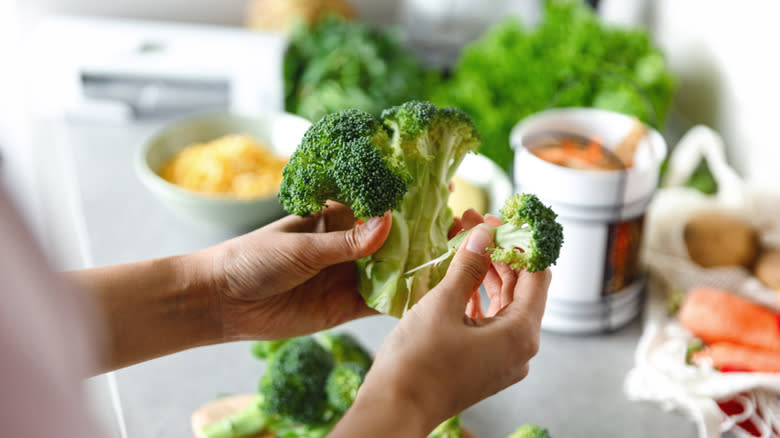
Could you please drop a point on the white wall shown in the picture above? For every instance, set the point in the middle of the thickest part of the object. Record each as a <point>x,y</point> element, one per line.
<point>726,55</point>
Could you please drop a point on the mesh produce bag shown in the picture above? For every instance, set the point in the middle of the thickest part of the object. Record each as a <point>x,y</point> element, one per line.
<point>747,404</point>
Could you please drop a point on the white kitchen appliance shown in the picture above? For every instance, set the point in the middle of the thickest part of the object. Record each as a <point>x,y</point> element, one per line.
<point>125,69</point>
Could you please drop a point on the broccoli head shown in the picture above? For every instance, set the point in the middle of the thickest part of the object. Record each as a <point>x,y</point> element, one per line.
<point>530,431</point>
<point>344,157</point>
<point>345,348</point>
<point>293,386</point>
<point>530,237</point>
<point>449,429</point>
<point>342,385</point>
<point>402,162</point>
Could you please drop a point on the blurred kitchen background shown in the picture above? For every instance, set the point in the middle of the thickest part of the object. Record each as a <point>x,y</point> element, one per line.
<point>67,98</point>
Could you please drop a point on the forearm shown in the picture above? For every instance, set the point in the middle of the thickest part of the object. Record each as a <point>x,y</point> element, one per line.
<point>151,308</point>
<point>381,414</point>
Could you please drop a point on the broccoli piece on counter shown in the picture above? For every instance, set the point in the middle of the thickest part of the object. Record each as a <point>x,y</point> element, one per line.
<point>265,349</point>
<point>342,385</point>
<point>250,420</point>
<point>404,163</point>
<point>345,348</point>
<point>530,431</point>
<point>449,429</point>
<point>293,386</point>
<point>530,237</point>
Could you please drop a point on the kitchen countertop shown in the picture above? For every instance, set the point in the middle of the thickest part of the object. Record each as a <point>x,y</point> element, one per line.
<point>574,387</point>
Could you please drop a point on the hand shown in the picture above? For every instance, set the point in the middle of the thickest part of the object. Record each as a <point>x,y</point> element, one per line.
<point>442,361</point>
<point>294,276</point>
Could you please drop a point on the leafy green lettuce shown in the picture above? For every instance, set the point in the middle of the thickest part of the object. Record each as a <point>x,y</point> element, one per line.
<point>571,58</point>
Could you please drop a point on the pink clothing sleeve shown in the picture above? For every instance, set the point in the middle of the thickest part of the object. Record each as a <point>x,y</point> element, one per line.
<point>45,348</point>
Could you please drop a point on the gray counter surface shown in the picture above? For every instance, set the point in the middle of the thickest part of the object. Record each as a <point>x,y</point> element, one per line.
<point>574,387</point>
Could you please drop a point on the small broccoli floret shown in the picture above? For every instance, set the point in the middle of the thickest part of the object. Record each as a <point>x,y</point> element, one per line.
<point>293,385</point>
<point>342,385</point>
<point>344,157</point>
<point>529,239</point>
<point>530,431</point>
<point>345,348</point>
<point>449,429</point>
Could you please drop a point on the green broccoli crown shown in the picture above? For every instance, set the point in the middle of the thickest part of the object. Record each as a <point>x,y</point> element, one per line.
<point>345,157</point>
<point>530,431</point>
<point>530,237</point>
<point>417,120</point>
<point>345,348</point>
<point>449,429</point>
<point>343,383</point>
<point>293,385</point>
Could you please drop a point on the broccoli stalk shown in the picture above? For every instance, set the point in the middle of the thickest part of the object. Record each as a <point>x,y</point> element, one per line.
<point>248,421</point>
<point>529,239</point>
<point>404,163</point>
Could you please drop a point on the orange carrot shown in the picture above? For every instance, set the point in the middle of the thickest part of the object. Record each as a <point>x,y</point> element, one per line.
<point>719,316</point>
<point>735,357</point>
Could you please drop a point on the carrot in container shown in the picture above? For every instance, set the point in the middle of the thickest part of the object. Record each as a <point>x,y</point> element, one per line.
<point>716,315</point>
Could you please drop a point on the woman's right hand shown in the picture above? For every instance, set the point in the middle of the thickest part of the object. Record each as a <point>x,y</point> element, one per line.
<point>439,360</point>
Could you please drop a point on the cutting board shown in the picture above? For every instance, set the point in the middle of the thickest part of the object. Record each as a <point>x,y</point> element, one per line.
<point>224,406</point>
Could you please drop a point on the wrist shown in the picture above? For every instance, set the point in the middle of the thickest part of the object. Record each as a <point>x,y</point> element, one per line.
<point>387,411</point>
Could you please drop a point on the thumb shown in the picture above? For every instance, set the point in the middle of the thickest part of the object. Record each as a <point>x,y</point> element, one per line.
<point>349,245</point>
<point>468,269</point>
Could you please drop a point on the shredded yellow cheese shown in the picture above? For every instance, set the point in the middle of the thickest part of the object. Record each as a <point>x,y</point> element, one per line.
<point>236,165</point>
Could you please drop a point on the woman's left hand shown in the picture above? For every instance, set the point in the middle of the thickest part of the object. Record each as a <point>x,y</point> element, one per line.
<point>294,276</point>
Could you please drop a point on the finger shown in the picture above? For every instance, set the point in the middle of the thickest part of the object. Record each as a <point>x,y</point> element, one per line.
<point>471,219</point>
<point>493,288</point>
<point>333,247</point>
<point>530,295</point>
<point>457,227</point>
<point>338,217</point>
<point>508,282</point>
<point>476,305</point>
<point>467,270</point>
<point>492,220</point>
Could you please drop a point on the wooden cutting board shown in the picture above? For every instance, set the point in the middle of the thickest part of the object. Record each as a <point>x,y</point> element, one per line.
<point>224,406</point>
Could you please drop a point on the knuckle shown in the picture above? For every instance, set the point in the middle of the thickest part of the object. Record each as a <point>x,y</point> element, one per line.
<point>524,338</point>
<point>469,269</point>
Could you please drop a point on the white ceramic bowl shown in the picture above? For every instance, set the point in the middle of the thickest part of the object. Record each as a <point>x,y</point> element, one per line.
<point>281,131</point>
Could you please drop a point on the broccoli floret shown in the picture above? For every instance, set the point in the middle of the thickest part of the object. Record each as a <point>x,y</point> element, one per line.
<point>265,349</point>
<point>342,385</point>
<point>345,348</point>
<point>293,386</point>
<point>530,431</point>
<point>344,157</point>
<point>449,429</point>
<point>529,239</point>
<point>404,163</point>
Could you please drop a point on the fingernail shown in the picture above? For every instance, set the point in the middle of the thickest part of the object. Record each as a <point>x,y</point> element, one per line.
<point>373,223</point>
<point>481,236</point>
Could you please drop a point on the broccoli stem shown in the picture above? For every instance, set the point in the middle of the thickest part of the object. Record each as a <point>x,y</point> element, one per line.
<point>245,422</point>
